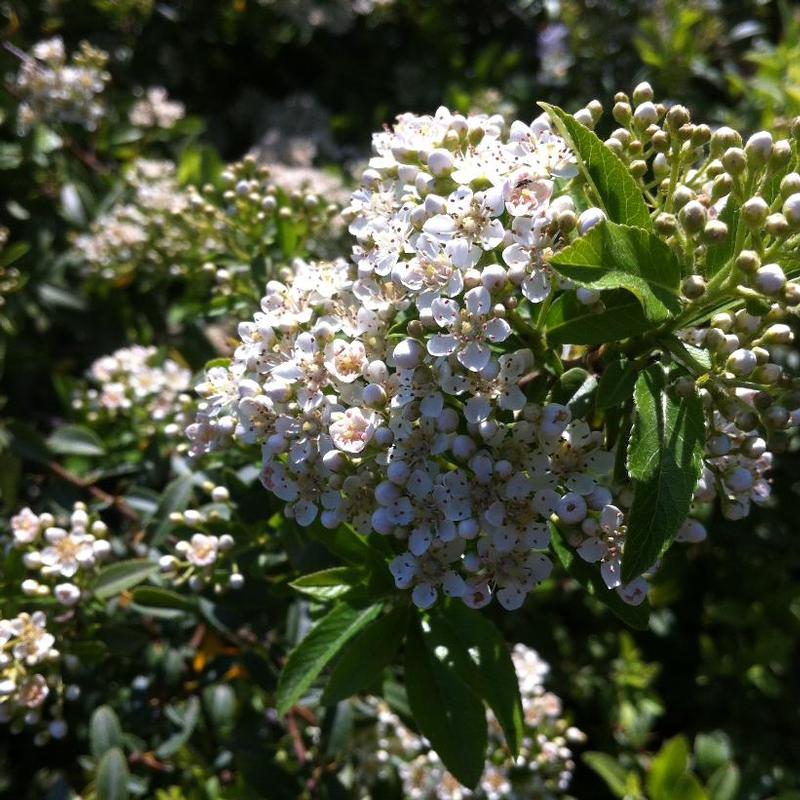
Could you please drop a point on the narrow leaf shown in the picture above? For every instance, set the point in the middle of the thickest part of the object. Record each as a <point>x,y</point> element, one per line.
<point>665,455</point>
<point>76,441</point>
<point>328,584</point>
<point>117,578</point>
<point>191,714</point>
<point>724,783</point>
<point>449,714</point>
<point>112,776</point>
<point>588,576</point>
<point>610,770</point>
<point>614,186</point>
<point>104,731</point>
<point>157,601</point>
<point>484,662</point>
<point>365,658</point>
<point>612,256</point>
<point>318,648</point>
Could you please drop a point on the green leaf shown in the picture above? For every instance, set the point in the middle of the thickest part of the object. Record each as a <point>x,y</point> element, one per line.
<point>12,253</point>
<point>665,457</point>
<point>318,648</point>
<point>574,389</point>
<point>328,584</point>
<point>105,732</point>
<point>112,776</point>
<point>483,661</point>
<point>610,770</point>
<point>718,254</point>
<point>73,440</point>
<point>614,187</point>
<point>447,711</point>
<point>191,714</point>
<point>616,384</point>
<point>724,783</point>
<point>669,766</point>
<point>588,576</point>
<point>156,601</point>
<point>176,497</point>
<point>365,658</point>
<point>569,321</point>
<point>612,256</point>
<point>117,578</point>
<point>711,751</point>
<point>71,205</point>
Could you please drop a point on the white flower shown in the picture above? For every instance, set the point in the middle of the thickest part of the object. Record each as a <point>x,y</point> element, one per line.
<point>469,330</point>
<point>352,430</point>
<point>202,550</point>
<point>25,527</point>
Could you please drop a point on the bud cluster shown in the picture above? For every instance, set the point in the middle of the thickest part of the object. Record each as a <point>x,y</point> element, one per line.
<point>204,558</point>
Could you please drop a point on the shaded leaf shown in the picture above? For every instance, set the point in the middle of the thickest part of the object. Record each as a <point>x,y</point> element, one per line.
<point>616,384</point>
<point>328,584</point>
<point>74,440</point>
<point>116,578</point>
<point>449,714</point>
<point>318,649</point>
<point>665,455</point>
<point>105,732</point>
<point>112,776</point>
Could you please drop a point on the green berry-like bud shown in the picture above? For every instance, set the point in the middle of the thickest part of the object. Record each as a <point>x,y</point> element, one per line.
<point>693,287</point>
<point>677,117</point>
<point>724,138</point>
<point>734,160</point>
<point>790,184</point>
<point>643,93</point>
<point>693,216</point>
<point>660,141</point>
<point>622,113</point>
<point>781,154</point>
<point>715,231</point>
<point>666,224</point>
<point>754,212</point>
<point>595,108</point>
<point>748,262</point>
<point>776,225</point>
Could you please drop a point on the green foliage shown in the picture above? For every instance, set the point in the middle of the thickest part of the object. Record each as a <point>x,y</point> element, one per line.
<point>664,459</point>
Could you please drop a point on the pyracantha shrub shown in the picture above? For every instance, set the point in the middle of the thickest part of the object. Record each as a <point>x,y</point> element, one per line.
<point>541,340</point>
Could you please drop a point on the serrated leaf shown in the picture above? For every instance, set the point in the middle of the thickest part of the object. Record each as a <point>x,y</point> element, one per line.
<point>588,576</point>
<point>615,188</point>
<point>105,732</point>
<point>570,322</point>
<point>365,658</point>
<point>328,584</point>
<point>616,384</point>
<point>112,776</point>
<point>74,440</point>
<point>449,714</point>
<point>483,660</point>
<point>119,577</point>
<point>612,256</point>
<point>610,770</point>
<point>665,456</point>
<point>318,649</point>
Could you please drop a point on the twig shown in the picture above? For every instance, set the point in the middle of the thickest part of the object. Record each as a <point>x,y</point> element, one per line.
<point>297,739</point>
<point>94,491</point>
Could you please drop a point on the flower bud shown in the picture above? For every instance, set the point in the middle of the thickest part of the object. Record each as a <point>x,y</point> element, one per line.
<point>693,216</point>
<point>776,225</point>
<point>741,362</point>
<point>440,162</point>
<point>622,113</point>
<point>643,93</point>
<point>754,212</point>
<point>734,160</point>
<point>693,287</point>
<point>790,184</point>
<point>645,114</point>
<point>724,138</point>
<point>677,117</point>
<point>770,279</point>
<point>681,196</point>
<point>715,230</point>
<point>781,154</point>
<point>584,116</point>
<point>791,209</point>
<point>408,353</point>
<point>589,218</point>
<point>759,148</point>
<point>748,262</point>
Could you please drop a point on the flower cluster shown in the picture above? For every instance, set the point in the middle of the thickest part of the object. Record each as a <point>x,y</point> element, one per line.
<point>205,557</point>
<point>136,382</point>
<point>62,558</point>
<point>146,233</point>
<point>29,674</point>
<point>55,90</point>
<point>543,768</point>
<point>411,392</point>
<point>156,110</point>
